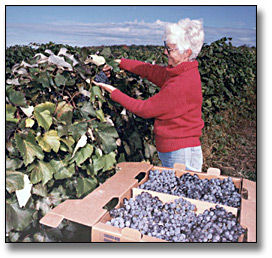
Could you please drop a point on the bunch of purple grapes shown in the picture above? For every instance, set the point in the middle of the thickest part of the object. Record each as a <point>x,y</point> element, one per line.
<point>176,221</point>
<point>102,77</point>
<point>191,186</point>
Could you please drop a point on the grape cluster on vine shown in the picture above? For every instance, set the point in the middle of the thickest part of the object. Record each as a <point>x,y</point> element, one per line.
<point>102,77</point>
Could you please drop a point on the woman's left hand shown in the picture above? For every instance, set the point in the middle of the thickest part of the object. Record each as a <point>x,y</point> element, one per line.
<point>105,86</point>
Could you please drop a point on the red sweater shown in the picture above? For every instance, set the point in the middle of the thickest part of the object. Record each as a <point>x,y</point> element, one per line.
<point>177,106</point>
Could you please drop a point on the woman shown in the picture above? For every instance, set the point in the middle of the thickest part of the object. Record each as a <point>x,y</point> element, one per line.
<point>177,107</point>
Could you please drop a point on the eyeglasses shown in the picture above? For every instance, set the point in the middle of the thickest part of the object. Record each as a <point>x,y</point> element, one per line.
<point>169,49</point>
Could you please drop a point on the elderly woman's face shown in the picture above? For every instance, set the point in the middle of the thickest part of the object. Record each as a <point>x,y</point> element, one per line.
<point>174,55</point>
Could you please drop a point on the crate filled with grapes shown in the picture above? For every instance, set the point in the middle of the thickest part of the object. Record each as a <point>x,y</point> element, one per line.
<point>145,203</point>
<point>159,217</point>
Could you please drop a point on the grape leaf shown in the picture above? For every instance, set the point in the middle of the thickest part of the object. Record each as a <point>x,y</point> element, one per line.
<point>107,135</point>
<point>28,148</point>
<point>61,169</point>
<point>100,115</point>
<point>95,92</point>
<point>114,65</point>
<point>39,190</point>
<point>149,150</point>
<point>86,110</point>
<point>40,171</point>
<point>50,140</point>
<point>43,113</point>
<point>78,129</point>
<point>16,97</point>
<point>106,52</point>
<point>17,218</point>
<point>13,164</point>
<point>64,112</point>
<point>69,141</point>
<point>14,181</point>
<point>85,185</point>
<point>60,80</point>
<point>83,154</point>
<point>135,140</point>
<point>106,162</point>
<point>10,128</point>
<point>29,122</point>
<point>44,79</point>
<point>10,110</point>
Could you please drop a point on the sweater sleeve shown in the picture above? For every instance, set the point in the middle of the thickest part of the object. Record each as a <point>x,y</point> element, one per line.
<point>163,105</point>
<point>154,73</point>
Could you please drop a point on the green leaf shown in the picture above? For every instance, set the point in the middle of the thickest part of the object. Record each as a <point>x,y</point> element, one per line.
<point>63,130</point>
<point>114,65</point>
<point>13,164</point>
<point>86,110</point>
<point>39,190</point>
<point>10,110</point>
<point>70,82</point>
<point>43,113</point>
<point>100,115</point>
<point>16,97</point>
<point>29,122</point>
<point>28,148</point>
<point>41,171</point>
<point>84,52</point>
<point>44,79</point>
<point>14,236</point>
<point>10,128</point>
<point>149,150</point>
<point>64,112</point>
<point>106,162</point>
<point>69,141</point>
<point>135,141</point>
<point>50,140</point>
<point>14,181</point>
<point>83,154</point>
<point>107,135</point>
<point>106,52</point>
<point>85,186</point>
<point>61,169</point>
<point>60,80</point>
<point>78,129</point>
<point>95,92</point>
<point>17,218</point>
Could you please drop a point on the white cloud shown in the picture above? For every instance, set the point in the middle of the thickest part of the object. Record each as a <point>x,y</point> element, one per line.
<point>129,32</point>
<point>95,33</point>
<point>240,36</point>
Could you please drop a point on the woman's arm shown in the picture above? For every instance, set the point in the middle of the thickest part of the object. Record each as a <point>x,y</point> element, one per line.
<point>164,104</point>
<point>154,73</point>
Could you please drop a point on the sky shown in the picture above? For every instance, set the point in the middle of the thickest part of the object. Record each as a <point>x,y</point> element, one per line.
<point>110,25</point>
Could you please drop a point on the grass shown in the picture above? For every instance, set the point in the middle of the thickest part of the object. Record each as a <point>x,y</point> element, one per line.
<point>238,157</point>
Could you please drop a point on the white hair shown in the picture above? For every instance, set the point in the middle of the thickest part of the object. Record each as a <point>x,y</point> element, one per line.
<point>186,34</point>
